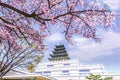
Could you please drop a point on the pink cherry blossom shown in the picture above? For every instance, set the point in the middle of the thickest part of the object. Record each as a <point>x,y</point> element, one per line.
<point>33,20</point>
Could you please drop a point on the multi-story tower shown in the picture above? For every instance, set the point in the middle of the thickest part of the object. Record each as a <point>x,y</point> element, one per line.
<point>59,53</point>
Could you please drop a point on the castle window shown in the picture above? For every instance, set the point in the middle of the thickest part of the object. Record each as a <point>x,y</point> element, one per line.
<point>65,72</point>
<point>48,73</point>
<point>84,71</point>
<point>39,72</point>
<point>66,64</point>
<point>50,65</point>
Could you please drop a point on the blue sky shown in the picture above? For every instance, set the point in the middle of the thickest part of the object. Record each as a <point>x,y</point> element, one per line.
<point>87,50</point>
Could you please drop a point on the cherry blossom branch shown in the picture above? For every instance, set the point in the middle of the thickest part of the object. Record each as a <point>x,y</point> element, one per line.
<point>15,9</point>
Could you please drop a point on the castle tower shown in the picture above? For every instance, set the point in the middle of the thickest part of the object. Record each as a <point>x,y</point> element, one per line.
<point>59,53</point>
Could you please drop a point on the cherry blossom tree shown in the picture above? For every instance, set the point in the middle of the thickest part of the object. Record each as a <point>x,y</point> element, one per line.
<point>11,58</point>
<point>32,20</point>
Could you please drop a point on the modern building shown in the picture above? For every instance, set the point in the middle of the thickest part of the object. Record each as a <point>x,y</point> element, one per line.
<point>61,67</point>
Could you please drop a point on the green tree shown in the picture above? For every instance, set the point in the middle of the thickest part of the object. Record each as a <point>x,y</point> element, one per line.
<point>97,77</point>
<point>108,78</point>
<point>94,77</point>
<point>31,66</point>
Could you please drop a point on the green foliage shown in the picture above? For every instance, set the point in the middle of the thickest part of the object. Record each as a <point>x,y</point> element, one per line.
<point>94,77</point>
<point>31,66</point>
<point>97,77</point>
<point>108,78</point>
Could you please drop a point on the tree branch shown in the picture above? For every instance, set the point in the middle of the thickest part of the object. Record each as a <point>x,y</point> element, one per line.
<point>15,9</point>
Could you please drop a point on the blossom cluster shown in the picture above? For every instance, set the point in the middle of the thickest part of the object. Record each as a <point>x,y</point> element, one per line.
<point>32,19</point>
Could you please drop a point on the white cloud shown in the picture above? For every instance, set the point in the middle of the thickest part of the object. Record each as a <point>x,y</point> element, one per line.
<point>55,37</point>
<point>87,50</point>
<point>114,4</point>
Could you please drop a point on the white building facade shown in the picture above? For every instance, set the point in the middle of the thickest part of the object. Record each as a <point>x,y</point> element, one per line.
<point>72,70</point>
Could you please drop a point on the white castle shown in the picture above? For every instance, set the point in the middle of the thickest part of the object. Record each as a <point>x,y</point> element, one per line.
<point>61,67</point>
